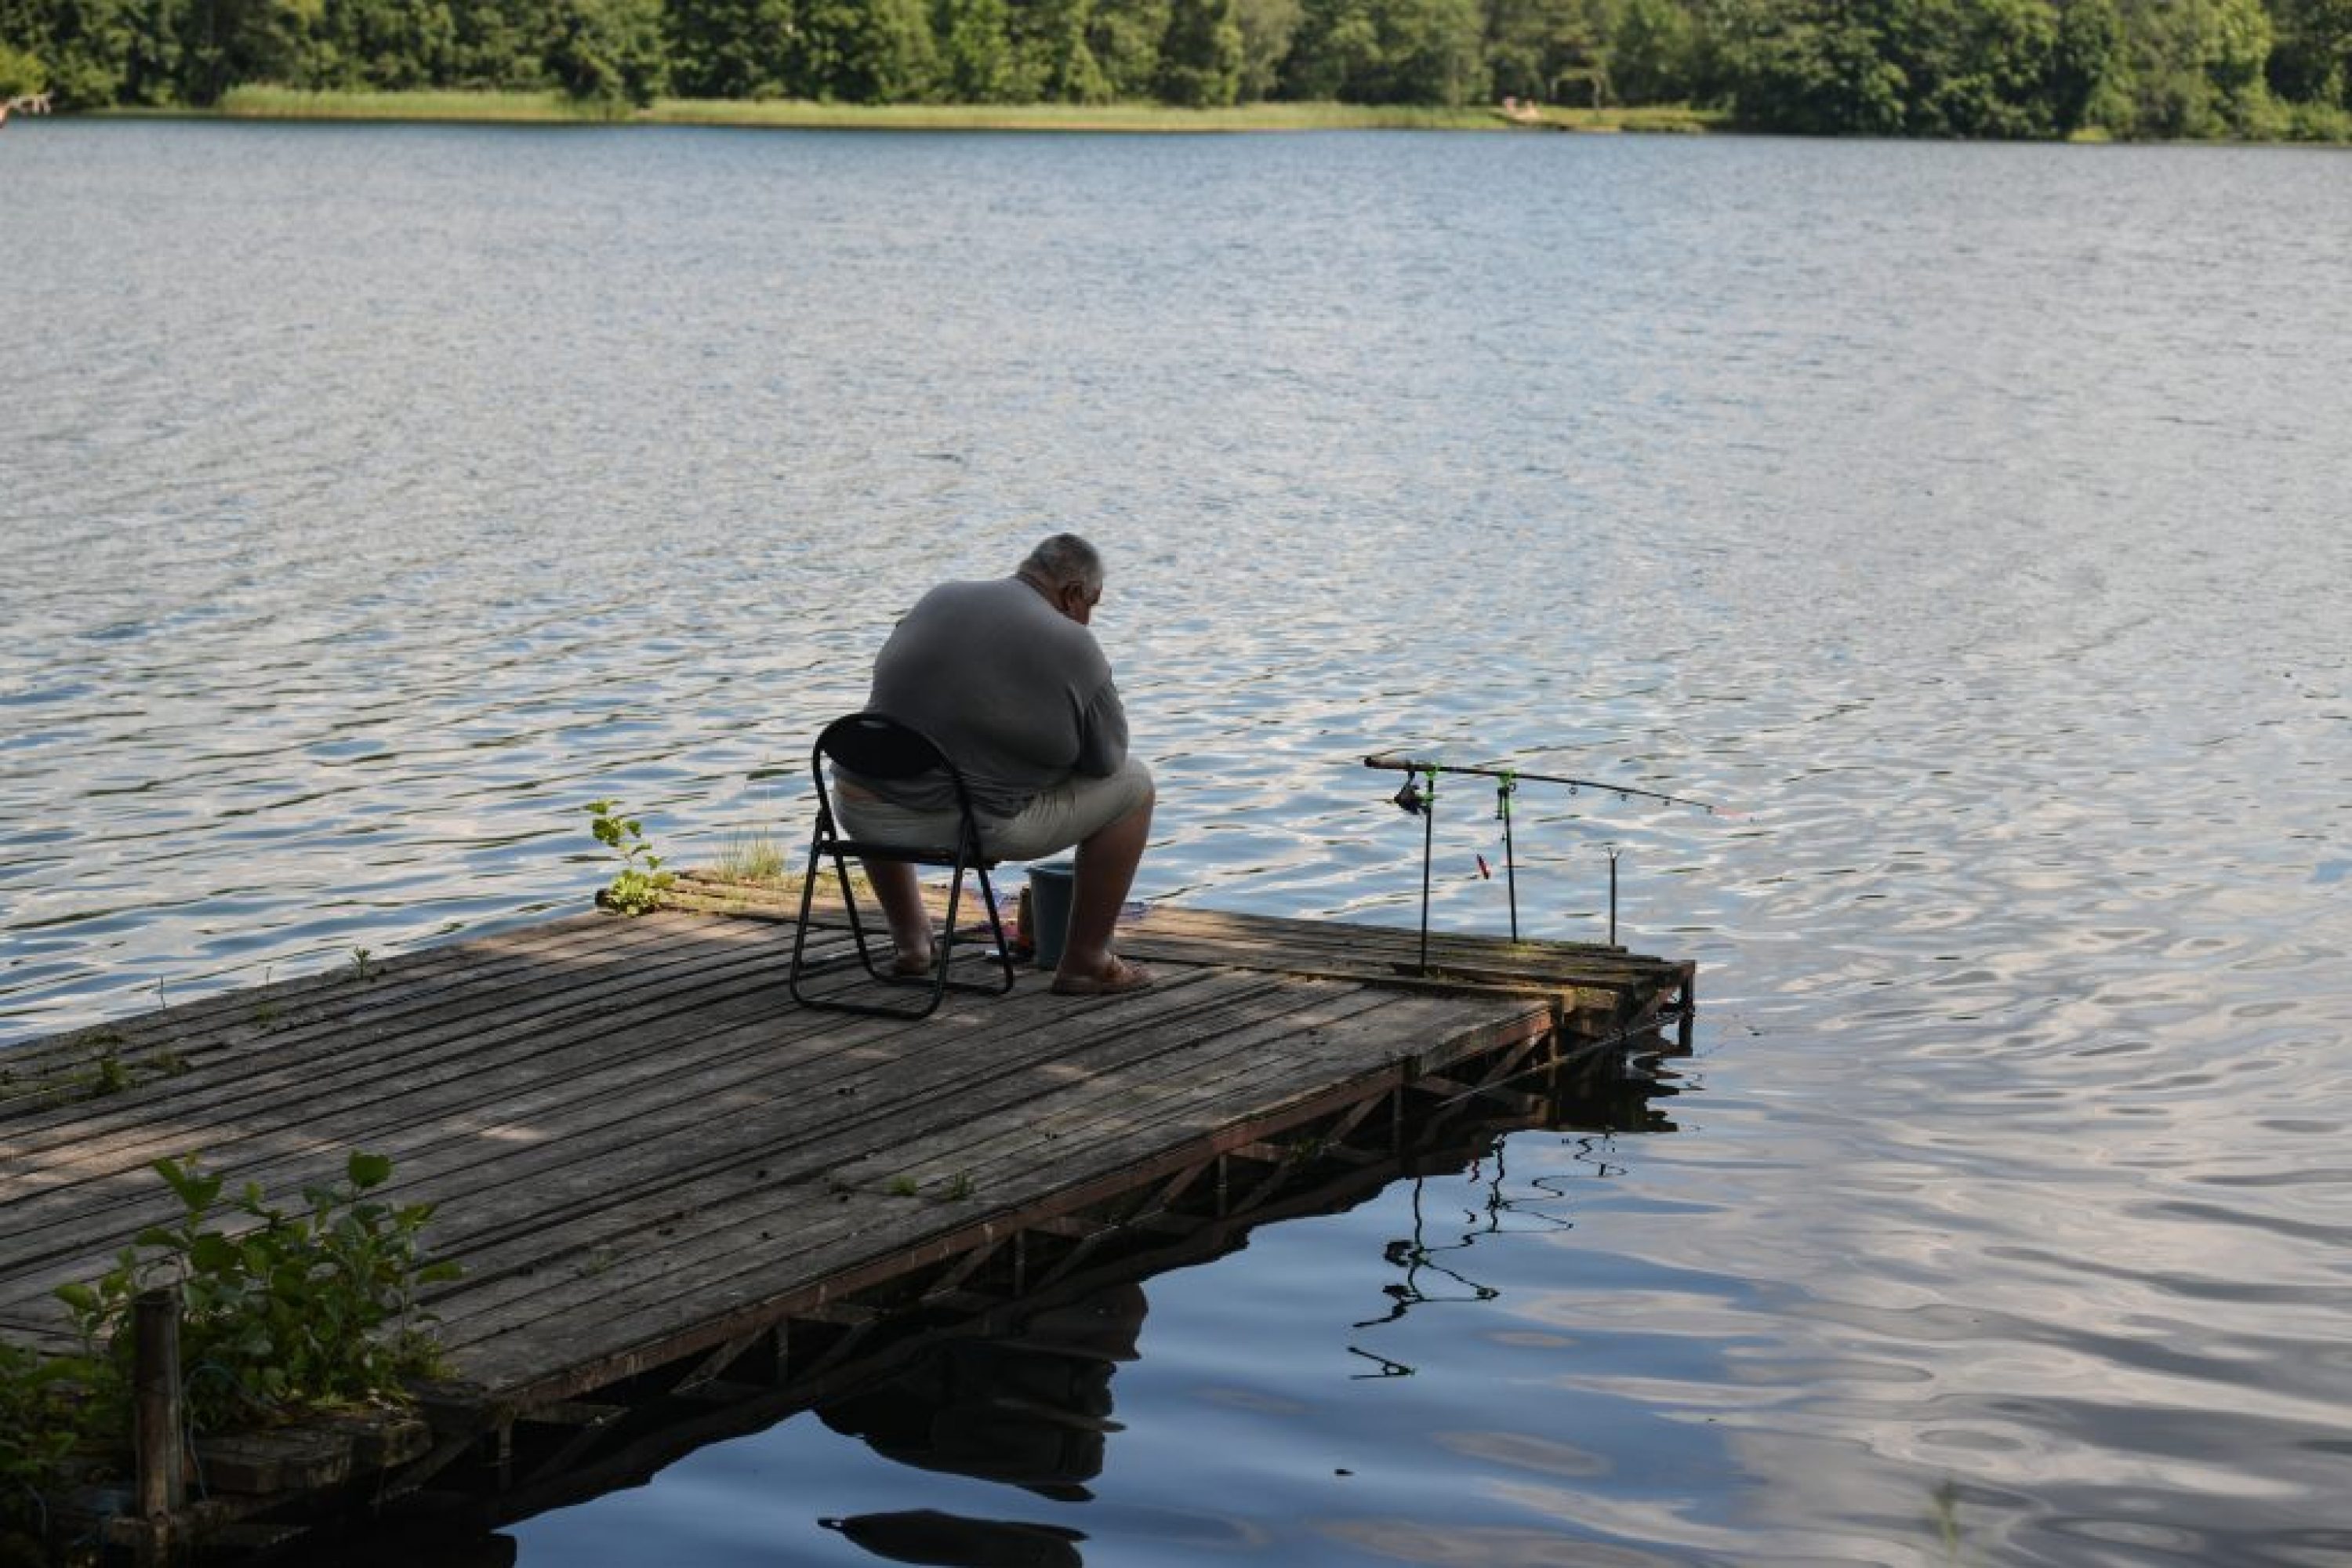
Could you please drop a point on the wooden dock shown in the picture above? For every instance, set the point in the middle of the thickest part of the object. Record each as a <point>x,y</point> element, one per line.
<point>682,1202</point>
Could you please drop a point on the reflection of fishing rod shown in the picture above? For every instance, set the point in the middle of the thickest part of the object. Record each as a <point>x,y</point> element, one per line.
<point>1418,797</point>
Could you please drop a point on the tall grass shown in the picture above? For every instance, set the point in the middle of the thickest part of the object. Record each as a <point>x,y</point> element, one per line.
<point>263,102</point>
<point>753,855</point>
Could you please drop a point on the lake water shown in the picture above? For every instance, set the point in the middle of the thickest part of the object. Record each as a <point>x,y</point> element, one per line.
<point>1970,521</point>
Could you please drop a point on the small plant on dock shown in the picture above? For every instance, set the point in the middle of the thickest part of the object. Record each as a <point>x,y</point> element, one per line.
<point>104,1068</point>
<point>282,1309</point>
<point>640,882</point>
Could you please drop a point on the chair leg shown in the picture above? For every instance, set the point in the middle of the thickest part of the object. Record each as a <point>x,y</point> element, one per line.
<point>996,930</point>
<point>1003,947</point>
<point>800,932</point>
<point>937,982</point>
<point>856,926</point>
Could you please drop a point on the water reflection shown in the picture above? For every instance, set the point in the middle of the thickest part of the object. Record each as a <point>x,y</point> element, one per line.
<point>926,1535</point>
<point>1026,1407</point>
<point>1031,1410</point>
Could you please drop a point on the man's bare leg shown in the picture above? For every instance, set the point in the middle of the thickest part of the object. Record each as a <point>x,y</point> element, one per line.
<point>901,895</point>
<point>1105,869</point>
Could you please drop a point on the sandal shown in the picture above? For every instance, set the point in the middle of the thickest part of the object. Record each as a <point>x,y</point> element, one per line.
<point>1124,977</point>
<point>917,965</point>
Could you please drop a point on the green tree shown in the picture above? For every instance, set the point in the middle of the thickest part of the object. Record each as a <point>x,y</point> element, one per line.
<point>1201,63</point>
<point>82,48</point>
<point>1652,46</point>
<point>20,74</point>
<point>976,59</point>
<point>1267,27</point>
<point>2311,54</point>
<point>394,44</point>
<point>504,44</point>
<point>863,52</point>
<point>608,51</point>
<point>2083,63</point>
<point>1551,51</point>
<point>1975,67</point>
<point>1125,38</point>
<point>728,48</point>
<point>1434,52</point>
<point>1335,53</point>
<point>1053,52</point>
<point>228,42</point>
<point>1819,67</point>
<point>2194,68</point>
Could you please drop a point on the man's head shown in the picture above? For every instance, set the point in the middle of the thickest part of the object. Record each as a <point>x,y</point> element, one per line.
<point>1068,572</point>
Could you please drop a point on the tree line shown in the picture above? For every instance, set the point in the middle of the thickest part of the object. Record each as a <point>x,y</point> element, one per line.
<point>1902,67</point>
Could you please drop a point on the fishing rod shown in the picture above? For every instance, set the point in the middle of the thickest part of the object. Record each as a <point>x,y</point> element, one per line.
<point>1393,763</point>
<point>1418,797</point>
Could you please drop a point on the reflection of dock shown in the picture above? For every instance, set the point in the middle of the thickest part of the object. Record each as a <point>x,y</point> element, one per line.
<point>685,1204</point>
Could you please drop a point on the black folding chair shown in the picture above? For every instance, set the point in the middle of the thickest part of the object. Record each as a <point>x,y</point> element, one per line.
<point>878,747</point>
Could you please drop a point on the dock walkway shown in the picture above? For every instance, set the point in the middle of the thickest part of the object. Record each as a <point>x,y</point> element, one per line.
<point>663,1179</point>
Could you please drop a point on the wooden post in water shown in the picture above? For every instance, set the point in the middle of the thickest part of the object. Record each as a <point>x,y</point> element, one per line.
<point>155,1432</point>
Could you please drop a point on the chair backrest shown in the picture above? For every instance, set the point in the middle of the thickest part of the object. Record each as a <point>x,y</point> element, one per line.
<point>877,746</point>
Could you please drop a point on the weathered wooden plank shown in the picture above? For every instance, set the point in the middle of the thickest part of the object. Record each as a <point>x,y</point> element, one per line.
<point>1116,1128</point>
<point>227,1021</point>
<point>998,1086</point>
<point>565,1139</point>
<point>461,1106</point>
<point>259,1058</point>
<point>752,1210</point>
<point>637,1322</point>
<point>1371,969</point>
<point>1108,1082</point>
<point>770,900</point>
<point>459,1049</point>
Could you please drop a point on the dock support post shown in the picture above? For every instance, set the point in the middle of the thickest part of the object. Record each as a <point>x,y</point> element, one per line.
<point>1612,897</point>
<point>157,1443</point>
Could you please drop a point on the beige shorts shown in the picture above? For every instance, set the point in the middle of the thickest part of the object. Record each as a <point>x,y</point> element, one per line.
<point>1070,813</point>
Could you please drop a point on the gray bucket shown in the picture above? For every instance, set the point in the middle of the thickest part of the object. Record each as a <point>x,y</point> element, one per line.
<point>1051,888</point>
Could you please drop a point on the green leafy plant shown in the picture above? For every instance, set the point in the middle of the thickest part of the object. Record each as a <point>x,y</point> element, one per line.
<point>43,1420</point>
<point>639,884</point>
<point>281,1309</point>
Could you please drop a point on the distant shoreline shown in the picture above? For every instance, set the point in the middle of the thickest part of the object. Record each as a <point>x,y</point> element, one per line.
<point>555,109</point>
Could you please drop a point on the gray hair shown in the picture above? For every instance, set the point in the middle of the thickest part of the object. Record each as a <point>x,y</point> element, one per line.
<point>1065,561</point>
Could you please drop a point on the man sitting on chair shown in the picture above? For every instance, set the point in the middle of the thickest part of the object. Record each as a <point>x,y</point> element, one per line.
<point>1006,677</point>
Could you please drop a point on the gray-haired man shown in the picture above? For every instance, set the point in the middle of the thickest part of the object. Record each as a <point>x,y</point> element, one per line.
<point>1004,675</point>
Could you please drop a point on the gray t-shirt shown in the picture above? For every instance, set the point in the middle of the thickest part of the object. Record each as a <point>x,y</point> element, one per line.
<point>1017,693</point>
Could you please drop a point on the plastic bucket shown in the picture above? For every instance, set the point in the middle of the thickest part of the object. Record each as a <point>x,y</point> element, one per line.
<point>1051,888</point>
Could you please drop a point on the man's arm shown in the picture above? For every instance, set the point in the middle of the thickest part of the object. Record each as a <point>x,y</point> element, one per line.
<point>1102,735</point>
